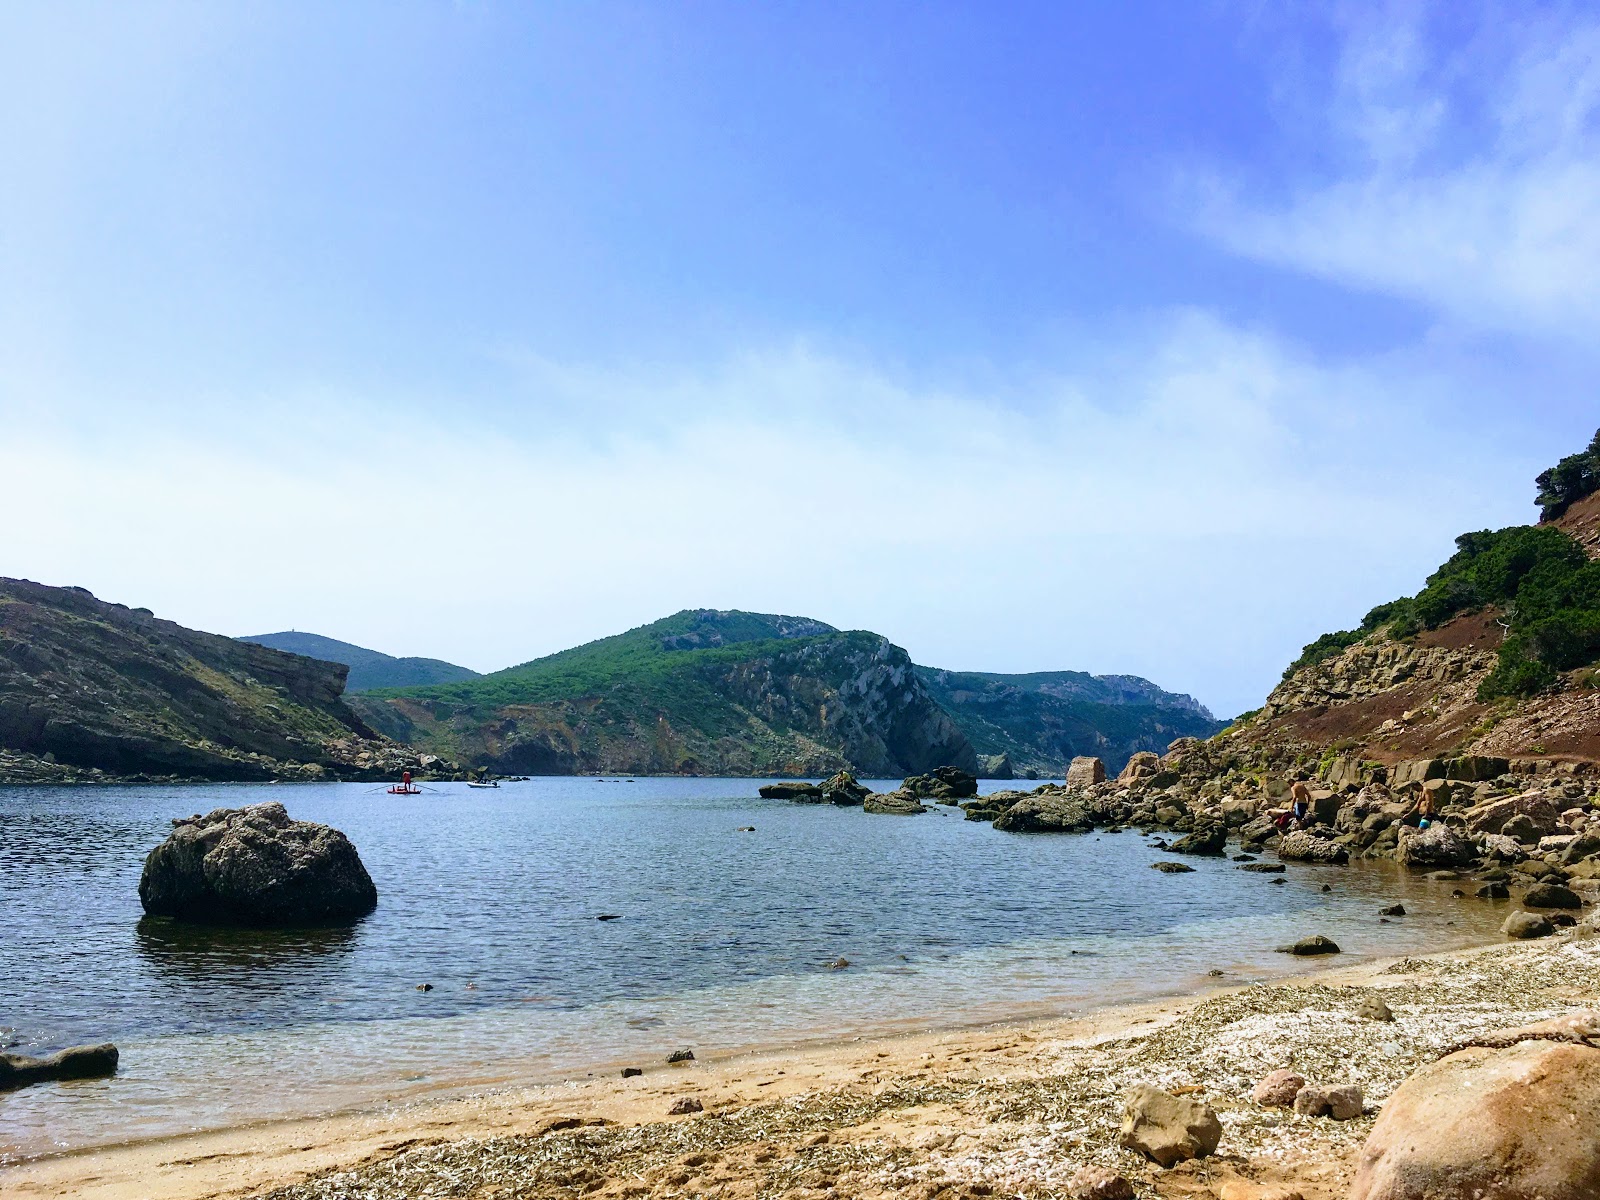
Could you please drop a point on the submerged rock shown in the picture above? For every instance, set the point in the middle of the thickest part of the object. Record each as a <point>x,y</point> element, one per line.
<point>75,1062</point>
<point>256,866</point>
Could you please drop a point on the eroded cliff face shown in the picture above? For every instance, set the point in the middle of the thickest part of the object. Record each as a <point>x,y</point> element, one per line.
<point>1385,701</point>
<point>803,706</point>
<point>101,687</point>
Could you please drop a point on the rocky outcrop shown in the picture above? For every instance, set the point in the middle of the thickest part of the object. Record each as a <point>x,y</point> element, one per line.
<point>93,686</point>
<point>895,804</point>
<point>945,784</point>
<point>844,790</point>
<point>75,1062</point>
<point>1518,1120</point>
<point>256,866</point>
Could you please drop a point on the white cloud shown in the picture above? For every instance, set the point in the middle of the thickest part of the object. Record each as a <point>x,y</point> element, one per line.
<point>1471,182</point>
<point>1191,505</point>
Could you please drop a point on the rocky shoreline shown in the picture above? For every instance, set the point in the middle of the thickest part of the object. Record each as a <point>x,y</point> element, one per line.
<point>1501,827</point>
<point>1019,1111</point>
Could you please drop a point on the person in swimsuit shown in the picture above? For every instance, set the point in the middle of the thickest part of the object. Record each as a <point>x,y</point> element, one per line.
<point>1425,813</point>
<point>1300,802</point>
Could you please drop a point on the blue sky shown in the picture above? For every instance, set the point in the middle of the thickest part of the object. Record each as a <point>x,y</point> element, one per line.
<point>1131,338</point>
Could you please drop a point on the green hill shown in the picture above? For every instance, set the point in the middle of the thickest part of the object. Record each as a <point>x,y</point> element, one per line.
<point>703,692</point>
<point>369,669</point>
<point>1043,719</point>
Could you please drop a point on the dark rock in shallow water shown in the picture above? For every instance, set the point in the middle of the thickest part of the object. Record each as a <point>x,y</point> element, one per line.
<point>255,866</point>
<point>808,793</point>
<point>1315,944</point>
<point>1206,839</point>
<point>1262,868</point>
<point>1551,895</point>
<point>1392,910</point>
<point>678,1056</point>
<point>1172,868</point>
<point>75,1062</point>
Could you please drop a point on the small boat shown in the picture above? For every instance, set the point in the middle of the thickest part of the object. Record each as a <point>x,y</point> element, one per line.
<point>405,787</point>
<point>483,783</point>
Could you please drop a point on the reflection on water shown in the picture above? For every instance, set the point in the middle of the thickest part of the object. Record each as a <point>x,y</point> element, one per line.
<point>723,941</point>
<point>238,958</point>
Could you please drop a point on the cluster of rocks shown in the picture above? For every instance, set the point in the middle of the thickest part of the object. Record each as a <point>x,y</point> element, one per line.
<point>1514,1113</point>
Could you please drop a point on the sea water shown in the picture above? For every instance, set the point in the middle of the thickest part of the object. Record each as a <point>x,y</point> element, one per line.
<point>724,939</point>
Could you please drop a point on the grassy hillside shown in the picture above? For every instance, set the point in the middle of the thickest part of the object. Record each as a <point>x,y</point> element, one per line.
<point>1044,719</point>
<point>701,691</point>
<point>369,669</point>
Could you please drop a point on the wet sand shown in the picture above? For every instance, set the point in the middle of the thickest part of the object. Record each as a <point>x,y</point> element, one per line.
<point>1008,1109</point>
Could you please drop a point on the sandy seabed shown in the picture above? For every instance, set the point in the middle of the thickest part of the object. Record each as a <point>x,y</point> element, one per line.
<point>1011,1110</point>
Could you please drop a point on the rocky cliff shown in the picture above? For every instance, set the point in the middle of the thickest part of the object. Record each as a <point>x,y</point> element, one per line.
<point>1043,720</point>
<point>89,688</point>
<point>701,692</point>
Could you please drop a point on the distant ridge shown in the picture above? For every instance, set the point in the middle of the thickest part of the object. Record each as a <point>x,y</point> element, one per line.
<point>369,669</point>
<point>717,692</point>
<point>1041,720</point>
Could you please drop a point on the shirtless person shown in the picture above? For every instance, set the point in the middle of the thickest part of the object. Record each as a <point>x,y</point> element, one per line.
<point>1300,802</point>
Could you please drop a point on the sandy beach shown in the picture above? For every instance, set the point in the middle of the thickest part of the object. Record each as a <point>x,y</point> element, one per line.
<point>1005,1110</point>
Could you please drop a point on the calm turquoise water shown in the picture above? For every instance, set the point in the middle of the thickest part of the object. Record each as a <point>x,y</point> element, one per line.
<point>492,897</point>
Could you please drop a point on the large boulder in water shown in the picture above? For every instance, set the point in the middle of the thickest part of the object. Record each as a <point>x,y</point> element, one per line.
<point>255,866</point>
<point>1304,846</point>
<point>1438,846</point>
<point>1515,1116</point>
<point>1046,812</point>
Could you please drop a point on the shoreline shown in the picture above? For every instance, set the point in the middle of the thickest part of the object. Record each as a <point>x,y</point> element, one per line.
<point>249,1157</point>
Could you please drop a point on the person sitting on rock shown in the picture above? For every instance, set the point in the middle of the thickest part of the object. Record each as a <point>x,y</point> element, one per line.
<point>1425,813</point>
